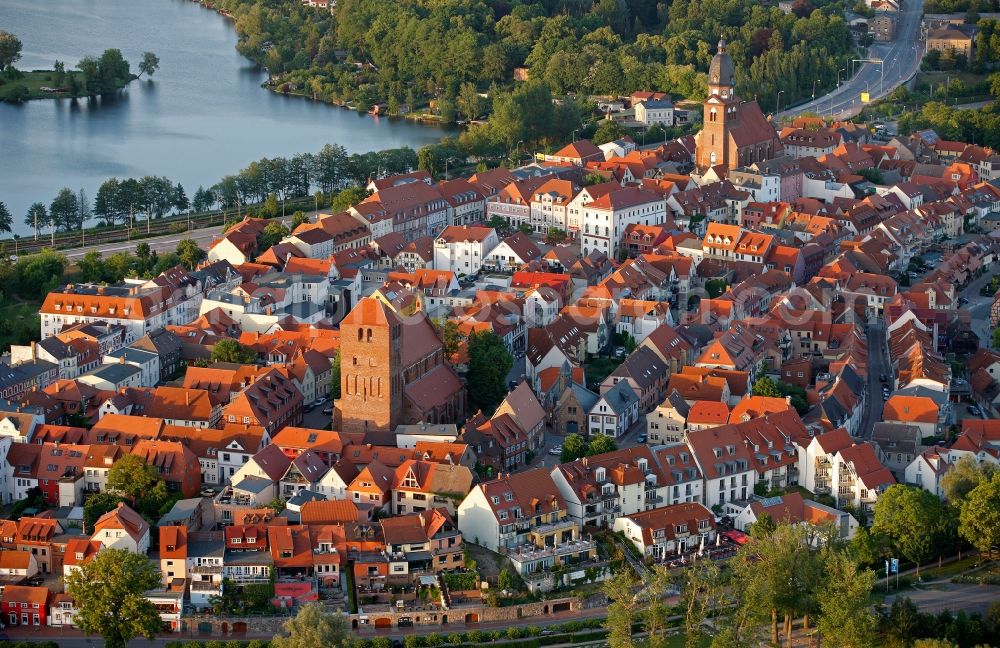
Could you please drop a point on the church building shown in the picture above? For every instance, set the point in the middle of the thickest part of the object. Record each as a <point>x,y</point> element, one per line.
<point>735,133</point>
<point>393,371</point>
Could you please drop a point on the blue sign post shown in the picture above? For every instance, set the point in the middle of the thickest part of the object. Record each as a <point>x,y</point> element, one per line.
<point>895,570</point>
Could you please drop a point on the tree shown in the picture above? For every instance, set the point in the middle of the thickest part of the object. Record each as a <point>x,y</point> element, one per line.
<point>144,255</point>
<point>10,50</point>
<point>203,200</point>
<point>764,527</point>
<point>778,574</point>
<point>504,580</point>
<point>347,198</point>
<point>189,253</point>
<point>608,130</point>
<point>64,212</point>
<point>91,267</point>
<point>979,519</point>
<point>621,609</point>
<point>335,376</point>
<point>965,475</point>
<point>600,444</point>
<point>36,217</point>
<point>843,597</point>
<point>181,202</point>
<point>110,593</point>
<point>132,477</point>
<point>573,447</point>
<point>312,627</point>
<point>450,336</point>
<point>149,64</point>
<point>6,220</point>
<point>489,363</point>
<point>914,520</point>
<point>271,235</point>
<point>85,212</point>
<point>38,274</point>
<point>767,386</point>
<point>228,350</point>
<point>699,590</point>
<point>299,218</point>
<point>97,505</point>
<point>555,236</point>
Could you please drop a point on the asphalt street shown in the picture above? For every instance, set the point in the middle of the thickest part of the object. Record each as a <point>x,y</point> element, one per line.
<point>878,365</point>
<point>900,60</point>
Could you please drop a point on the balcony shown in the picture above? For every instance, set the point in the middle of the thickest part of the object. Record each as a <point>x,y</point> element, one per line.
<point>206,586</point>
<point>207,569</point>
<point>530,553</point>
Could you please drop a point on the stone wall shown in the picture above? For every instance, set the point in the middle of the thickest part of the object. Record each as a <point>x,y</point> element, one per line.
<point>465,617</point>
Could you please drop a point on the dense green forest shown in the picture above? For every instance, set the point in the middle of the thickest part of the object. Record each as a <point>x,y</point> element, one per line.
<point>417,51</point>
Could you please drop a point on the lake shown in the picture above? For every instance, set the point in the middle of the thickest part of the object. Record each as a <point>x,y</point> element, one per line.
<point>204,115</point>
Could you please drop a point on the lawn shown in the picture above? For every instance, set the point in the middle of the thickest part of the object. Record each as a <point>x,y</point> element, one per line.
<point>33,81</point>
<point>599,368</point>
<point>19,323</point>
<point>951,569</point>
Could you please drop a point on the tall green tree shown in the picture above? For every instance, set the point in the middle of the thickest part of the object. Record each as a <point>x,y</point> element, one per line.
<point>313,627</point>
<point>964,476</point>
<point>622,609</point>
<point>845,616</point>
<point>700,589</point>
<point>489,363</point>
<point>979,519</point>
<point>601,444</point>
<point>132,477</point>
<point>914,520</point>
<point>10,50</point>
<point>37,217</point>
<point>64,211</point>
<point>271,235</point>
<point>574,446</point>
<point>190,254</point>
<point>228,350</point>
<point>110,594</point>
<point>149,64</point>
<point>335,376</point>
<point>6,220</point>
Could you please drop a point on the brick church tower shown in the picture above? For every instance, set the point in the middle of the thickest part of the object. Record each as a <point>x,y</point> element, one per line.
<point>721,112</point>
<point>371,372</point>
<point>735,133</point>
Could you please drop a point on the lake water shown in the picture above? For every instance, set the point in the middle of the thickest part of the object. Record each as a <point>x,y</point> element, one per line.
<point>203,116</point>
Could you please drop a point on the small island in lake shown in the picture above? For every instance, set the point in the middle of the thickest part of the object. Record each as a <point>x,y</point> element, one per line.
<point>93,76</point>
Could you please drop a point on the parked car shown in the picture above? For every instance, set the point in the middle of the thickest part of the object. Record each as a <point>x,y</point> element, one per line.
<point>620,352</point>
<point>328,410</point>
<point>975,411</point>
<point>319,401</point>
<point>641,438</point>
<point>556,450</point>
<point>882,378</point>
<point>512,384</point>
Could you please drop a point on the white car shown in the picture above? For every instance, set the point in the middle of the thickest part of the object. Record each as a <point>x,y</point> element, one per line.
<point>557,451</point>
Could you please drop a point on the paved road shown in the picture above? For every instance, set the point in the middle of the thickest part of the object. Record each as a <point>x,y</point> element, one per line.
<point>166,243</point>
<point>900,61</point>
<point>973,599</point>
<point>878,364</point>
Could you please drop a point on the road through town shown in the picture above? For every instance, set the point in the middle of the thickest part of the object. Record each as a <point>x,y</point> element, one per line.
<point>899,61</point>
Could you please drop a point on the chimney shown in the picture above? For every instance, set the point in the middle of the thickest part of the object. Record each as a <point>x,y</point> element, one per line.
<point>121,360</point>
<point>34,352</point>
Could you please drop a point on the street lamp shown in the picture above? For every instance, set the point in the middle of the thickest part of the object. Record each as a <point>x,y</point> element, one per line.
<point>777,101</point>
<point>814,88</point>
<point>838,75</point>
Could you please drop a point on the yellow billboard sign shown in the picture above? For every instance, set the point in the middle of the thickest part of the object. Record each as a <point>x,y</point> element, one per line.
<point>865,97</point>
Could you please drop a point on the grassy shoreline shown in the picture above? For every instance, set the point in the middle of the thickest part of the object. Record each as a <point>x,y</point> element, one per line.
<point>34,82</point>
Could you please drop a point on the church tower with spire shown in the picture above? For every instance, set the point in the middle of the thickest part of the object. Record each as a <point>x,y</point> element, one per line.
<point>733,133</point>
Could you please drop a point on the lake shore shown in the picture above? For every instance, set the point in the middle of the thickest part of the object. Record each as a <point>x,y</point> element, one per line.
<point>38,84</point>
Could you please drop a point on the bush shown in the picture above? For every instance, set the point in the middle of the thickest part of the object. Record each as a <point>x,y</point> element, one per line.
<point>456,638</point>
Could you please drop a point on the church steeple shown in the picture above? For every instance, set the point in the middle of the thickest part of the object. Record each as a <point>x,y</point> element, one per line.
<point>721,75</point>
